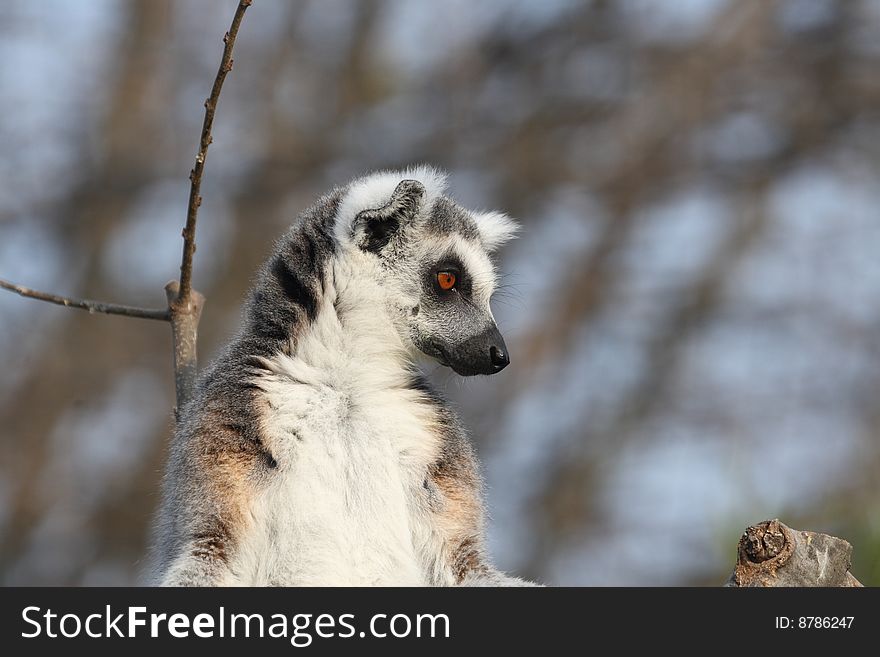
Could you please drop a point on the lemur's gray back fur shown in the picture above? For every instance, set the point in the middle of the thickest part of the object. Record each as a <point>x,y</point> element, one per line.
<point>313,451</point>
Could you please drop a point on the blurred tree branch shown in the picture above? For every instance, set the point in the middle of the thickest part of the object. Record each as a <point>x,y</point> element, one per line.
<point>184,304</point>
<point>108,186</point>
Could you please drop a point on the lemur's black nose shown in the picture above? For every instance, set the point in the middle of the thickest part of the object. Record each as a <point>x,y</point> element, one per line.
<point>499,358</point>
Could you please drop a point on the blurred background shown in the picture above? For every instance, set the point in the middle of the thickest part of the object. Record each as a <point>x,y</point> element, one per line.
<point>693,309</point>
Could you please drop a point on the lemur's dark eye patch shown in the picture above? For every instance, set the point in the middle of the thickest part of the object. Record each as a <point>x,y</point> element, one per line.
<point>446,279</point>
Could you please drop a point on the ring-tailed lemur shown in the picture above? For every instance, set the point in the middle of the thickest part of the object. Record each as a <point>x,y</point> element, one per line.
<point>313,452</point>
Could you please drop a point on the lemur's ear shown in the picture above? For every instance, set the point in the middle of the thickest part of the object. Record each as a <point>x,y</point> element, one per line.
<point>495,229</point>
<point>373,229</point>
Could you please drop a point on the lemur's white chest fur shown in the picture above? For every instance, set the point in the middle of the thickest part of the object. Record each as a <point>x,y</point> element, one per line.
<point>353,445</point>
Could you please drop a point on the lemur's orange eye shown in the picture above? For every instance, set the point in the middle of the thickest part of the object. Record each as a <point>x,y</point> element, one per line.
<point>446,280</point>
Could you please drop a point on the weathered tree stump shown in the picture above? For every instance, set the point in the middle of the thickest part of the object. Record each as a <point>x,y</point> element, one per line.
<point>772,554</point>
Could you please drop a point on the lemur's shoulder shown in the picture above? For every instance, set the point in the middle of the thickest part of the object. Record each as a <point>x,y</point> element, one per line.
<point>224,417</point>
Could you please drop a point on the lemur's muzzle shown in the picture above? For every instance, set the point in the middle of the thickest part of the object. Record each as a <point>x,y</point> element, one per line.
<point>484,353</point>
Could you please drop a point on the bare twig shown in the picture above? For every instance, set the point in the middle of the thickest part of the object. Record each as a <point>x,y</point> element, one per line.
<point>184,303</point>
<point>195,176</point>
<point>87,304</point>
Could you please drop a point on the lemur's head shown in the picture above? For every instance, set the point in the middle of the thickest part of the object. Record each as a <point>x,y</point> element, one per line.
<point>432,259</point>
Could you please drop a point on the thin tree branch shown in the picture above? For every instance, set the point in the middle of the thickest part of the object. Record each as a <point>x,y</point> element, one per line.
<point>87,304</point>
<point>184,303</point>
<point>184,334</point>
<point>195,176</point>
